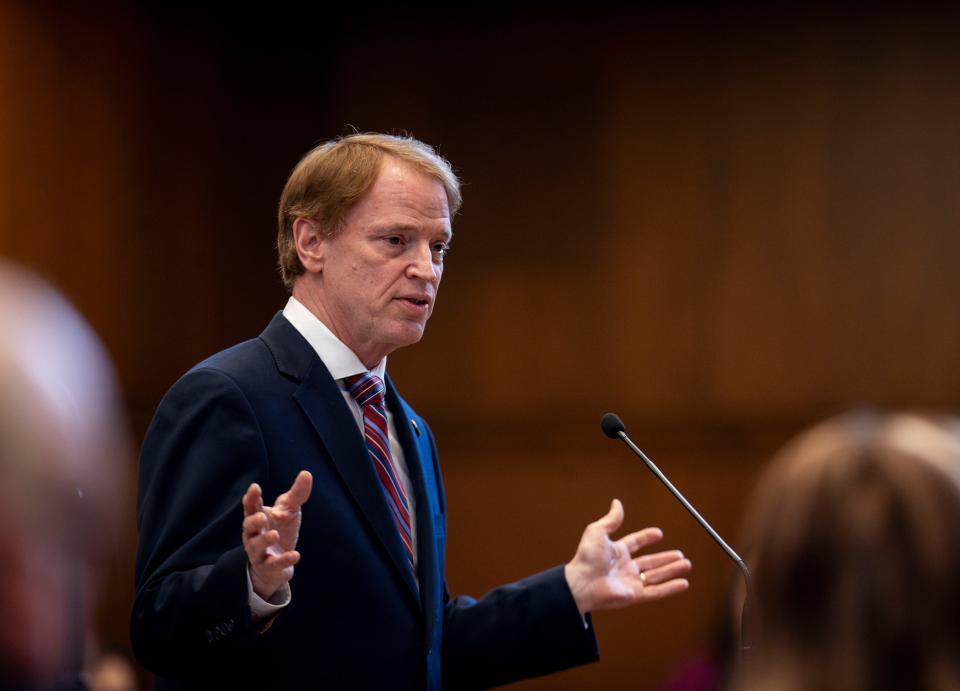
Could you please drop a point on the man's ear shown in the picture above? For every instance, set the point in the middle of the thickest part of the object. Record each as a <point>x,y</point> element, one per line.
<point>309,241</point>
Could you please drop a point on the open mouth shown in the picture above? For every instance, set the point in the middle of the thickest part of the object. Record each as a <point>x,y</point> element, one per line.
<point>415,301</point>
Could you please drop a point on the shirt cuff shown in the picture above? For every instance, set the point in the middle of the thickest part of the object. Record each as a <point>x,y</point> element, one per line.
<point>260,608</point>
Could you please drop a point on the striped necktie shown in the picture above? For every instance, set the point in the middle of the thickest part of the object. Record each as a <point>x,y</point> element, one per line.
<point>368,389</point>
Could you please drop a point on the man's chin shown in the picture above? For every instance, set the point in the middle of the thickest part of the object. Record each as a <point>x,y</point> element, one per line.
<point>401,337</point>
<point>409,334</point>
<point>413,337</point>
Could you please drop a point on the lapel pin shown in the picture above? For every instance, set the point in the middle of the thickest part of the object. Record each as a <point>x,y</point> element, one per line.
<point>416,427</point>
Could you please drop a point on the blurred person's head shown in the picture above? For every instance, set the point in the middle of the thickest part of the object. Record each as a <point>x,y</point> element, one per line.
<point>855,541</point>
<point>63,462</point>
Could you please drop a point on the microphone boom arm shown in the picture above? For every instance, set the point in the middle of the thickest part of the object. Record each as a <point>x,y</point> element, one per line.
<point>689,507</point>
<point>613,428</point>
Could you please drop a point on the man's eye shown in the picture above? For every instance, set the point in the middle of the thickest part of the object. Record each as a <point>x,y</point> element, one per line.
<point>394,240</point>
<point>441,248</point>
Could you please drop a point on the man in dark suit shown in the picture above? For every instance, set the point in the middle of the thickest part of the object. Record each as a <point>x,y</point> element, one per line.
<point>306,411</point>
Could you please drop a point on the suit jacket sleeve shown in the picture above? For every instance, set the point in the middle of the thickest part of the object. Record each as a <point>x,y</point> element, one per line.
<point>202,451</point>
<point>521,630</point>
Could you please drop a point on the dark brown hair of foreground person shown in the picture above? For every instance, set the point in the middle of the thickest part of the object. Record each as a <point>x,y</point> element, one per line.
<point>855,534</point>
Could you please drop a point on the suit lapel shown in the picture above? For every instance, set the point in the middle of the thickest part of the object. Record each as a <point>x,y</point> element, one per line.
<point>322,401</point>
<point>427,570</point>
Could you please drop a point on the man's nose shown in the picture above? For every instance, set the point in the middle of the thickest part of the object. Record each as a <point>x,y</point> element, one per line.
<point>422,264</point>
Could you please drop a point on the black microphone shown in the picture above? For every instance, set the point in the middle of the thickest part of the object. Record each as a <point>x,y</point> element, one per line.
<point>613,427</point>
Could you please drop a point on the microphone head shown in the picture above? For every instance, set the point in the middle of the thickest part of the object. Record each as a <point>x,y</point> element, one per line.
<point>611,425</point>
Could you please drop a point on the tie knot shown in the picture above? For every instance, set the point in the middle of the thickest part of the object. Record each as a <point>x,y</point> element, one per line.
<point>366,388</point>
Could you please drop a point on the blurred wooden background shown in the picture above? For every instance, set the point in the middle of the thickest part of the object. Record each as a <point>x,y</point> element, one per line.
<point>723,225</point>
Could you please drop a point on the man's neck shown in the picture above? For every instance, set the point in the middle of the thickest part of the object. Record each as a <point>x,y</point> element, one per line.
<point>335,353</point>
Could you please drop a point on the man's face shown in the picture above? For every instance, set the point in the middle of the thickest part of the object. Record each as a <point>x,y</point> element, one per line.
<point>380,273</point>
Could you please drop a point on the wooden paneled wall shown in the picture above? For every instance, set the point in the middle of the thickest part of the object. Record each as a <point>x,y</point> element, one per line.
<point>722,225</point>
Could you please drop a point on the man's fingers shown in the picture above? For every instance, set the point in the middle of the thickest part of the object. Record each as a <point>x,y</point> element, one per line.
<point>259,547</point>
<point>641,538</point>
<point>652,561</point>
<point>282,561</point>
<point>297,495</point>
<point>613,519</point>
<point>272,563</point>
<point>255,524</point>
<point>664,574</point>
<point>252,500</point>
<point>661,590</point>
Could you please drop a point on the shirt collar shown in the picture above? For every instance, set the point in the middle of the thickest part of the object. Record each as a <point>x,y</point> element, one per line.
<point>336,356</point>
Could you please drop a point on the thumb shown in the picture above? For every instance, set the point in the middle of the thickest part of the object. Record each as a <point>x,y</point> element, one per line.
<point>298,493</point>
<point>613,519</point>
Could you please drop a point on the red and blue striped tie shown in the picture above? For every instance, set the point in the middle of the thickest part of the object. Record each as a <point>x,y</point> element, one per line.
<point>368,391</point>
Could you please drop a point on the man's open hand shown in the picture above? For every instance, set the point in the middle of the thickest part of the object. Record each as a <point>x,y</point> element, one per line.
<point>270,534</point>
<point>603,574</point>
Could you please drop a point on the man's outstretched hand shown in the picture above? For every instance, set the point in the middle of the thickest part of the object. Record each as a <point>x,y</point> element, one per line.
<point>604,574</point>
<point>270,534</point>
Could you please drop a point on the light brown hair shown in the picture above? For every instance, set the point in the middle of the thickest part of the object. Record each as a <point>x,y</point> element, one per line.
<point>332,178</point>
<point>855,542</point>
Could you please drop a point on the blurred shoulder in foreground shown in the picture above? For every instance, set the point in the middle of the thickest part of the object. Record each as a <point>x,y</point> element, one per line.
<point>64,455</point>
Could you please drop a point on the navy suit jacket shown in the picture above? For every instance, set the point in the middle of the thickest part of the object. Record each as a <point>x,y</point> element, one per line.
<point>260,412</point>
